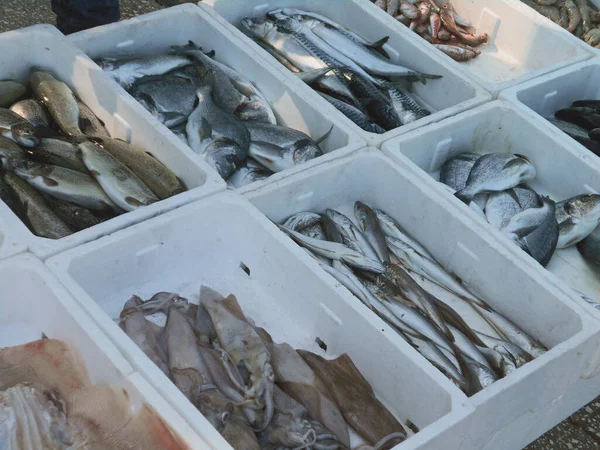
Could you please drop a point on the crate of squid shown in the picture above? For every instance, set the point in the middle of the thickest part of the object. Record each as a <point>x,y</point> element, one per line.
<point>64,384</point>
<point>202,86</point>
<point>364,68</point>
<point>514,346</point>
<point>247,319</point>
<point>78,161</point>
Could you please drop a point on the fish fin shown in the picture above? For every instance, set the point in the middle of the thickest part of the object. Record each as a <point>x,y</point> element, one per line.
<point>325,136</point>
<point>171,115</point>
<point>205,129</point>
<point>512,194</point>
<point>84,122</point>
<point>511,163</point>
<point>465,198</point>
<point>523,232</point>
<point>377,45</point>
<point>49,181</point>
<point>244,89</point>
<point>133,201</point>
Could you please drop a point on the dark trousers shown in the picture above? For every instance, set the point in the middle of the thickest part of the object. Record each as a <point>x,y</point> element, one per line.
<point>77,15</point>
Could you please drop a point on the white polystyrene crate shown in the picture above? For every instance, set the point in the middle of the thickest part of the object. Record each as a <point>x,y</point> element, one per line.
<point>33,302</point>
<point>210,243</point>
<point>454,93</point>
<point>156,32</point>
<point>462,245</point>
<point>520,45</point>
<point>547,94</point>
<point>43,46</point>
<point>11,239</point>
<point>561,171</point>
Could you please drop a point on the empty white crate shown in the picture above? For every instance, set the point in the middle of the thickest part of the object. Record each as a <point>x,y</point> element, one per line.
<point>453,93</point>
<point>43,46</point>
<point>211,242</point>
<point>33,302</point>
<point>515,289</point>
<point>562,172</point>
<point>521,46</point>
<point>155,33</point>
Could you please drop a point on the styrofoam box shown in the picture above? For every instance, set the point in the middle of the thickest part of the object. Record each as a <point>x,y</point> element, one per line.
<point>11,241</point>
<point>545,95</point>
<point>520,45</point>
<point>562,172</point>
<point>34,302</point>
<point>549,23</point>
<point>454,93</point>
<point>45,47</point>
<point>514,289</point>
<point>156,32</point>
<point>210,243</point>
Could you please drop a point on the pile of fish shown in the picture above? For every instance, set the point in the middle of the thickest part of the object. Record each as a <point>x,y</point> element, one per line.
<point>582,122</point>
<point>397,278</point>
<point>579,17</point>
<point>440,25</point>
<point>493,185</point>
<point>258,394</point>
<point>216,111</point>
<point>47,401</point>
<point>354,75</point>
<point>61,172</point>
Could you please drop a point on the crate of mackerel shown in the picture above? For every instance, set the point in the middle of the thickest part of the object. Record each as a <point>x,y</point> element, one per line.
<point>215,94</point>
<point>76,162</point>
<point>234,314</point>
<point>371,71</point>
<point>480,37</point>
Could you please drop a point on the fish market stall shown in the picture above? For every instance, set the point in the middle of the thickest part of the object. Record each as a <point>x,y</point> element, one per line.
<point>550,168</point>
<point>261,127</point>
<point>64,200</point>
<point>234,249</point>
<point>425,88</point>
<point>54,357</point>
<point>507,57</point>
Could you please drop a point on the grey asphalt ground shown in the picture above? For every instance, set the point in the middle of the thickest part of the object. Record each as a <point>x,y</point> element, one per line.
<point>580,432</point>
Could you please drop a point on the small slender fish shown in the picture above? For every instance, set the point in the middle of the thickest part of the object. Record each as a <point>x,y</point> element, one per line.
<point>32,111</point>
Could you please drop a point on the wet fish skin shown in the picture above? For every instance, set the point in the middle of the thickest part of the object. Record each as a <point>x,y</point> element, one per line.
<point>585,117</point>
<point>391,228</point>
<point>225,156</point>
<point>570,128</point>
<point>590,247</point>
<point>75,216</point>
<point>276,158</point>
<point>351,234</point>
<point>89,123</point>
<point>10,92</point>
<point>536,231</point>
<point>408,110</point>
<point>369,225</point>
<point>502,206</point>
<point>32,111</point>
<point>464,344</point>
<point>161,180</point>
<point>301,220</point>
<point>505,347</point>
<point>248,174</point>
<point>43,221</point>
<point>10,153</point>
<point>354,114</point>
<point>119,182</point>
<point>494,172</point>
<point>455,171</point>
<point>126,71</point>
<point>17,129</point>
<point>59,99</point>
<point>583,216</point>
<point>68,185</point>
<point>58,152</point>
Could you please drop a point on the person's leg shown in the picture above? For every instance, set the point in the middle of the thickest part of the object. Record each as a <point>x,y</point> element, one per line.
<point>77,15</point>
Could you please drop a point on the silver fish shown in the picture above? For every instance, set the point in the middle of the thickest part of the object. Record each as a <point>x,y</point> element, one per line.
<point>66,184</point>
<point>17,129</point>
<point>464,344</point>
<point>480,375</point>
<point>58,99</point>
<point>502,363</point>
<point>225,156</point>
<point>455,171</point>
<point>502,206</point>
<point>496,172</point>
<point>570,128</point>
<point>392,229</point>
<point>369,225</point>
<point>590,247</point>
<point>334,250</point>
<point>302,220</point>
<point>126,71</point>
<point>583,215</point>
<point>58,152</point>
<point>119,182</point>
<point>505,348</point>
<point>10,153</point>
<point>248,174</point>
<point>32,111</point>
<point>354,114</point>
<point>276,158</point>
<point>535,230</point>
<point>408,109</point>
<point>351,234</point>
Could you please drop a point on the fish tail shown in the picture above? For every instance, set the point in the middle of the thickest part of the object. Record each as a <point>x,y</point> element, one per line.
<point>464,195</point>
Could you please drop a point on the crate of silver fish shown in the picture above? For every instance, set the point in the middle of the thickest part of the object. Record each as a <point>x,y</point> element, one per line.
<point>202,86</point>
<point>539,195</point>
<point>275,332</point>
<point>63,383</point>
<point>511,343</point>
<point>78,161</point>
<point>363,66</point>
